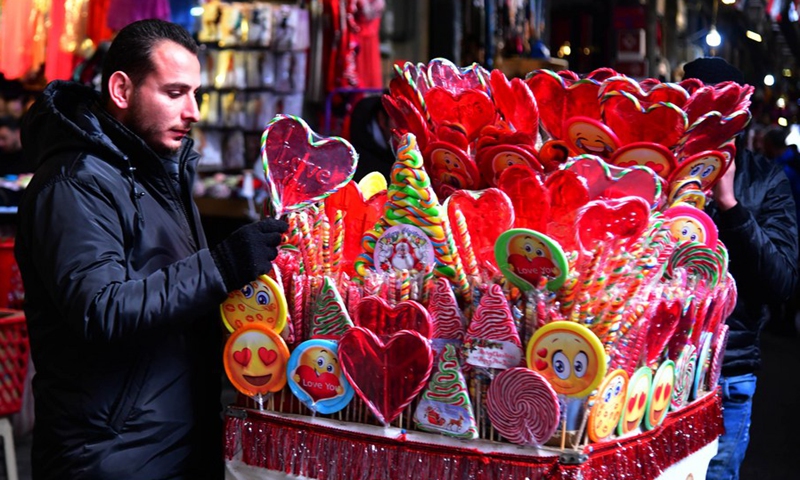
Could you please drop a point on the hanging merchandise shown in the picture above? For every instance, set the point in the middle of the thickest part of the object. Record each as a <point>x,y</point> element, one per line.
<point>124,12</point>
<point>17,27</point>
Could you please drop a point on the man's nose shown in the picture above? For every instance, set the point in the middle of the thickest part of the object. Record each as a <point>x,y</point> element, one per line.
<point>191,111</point>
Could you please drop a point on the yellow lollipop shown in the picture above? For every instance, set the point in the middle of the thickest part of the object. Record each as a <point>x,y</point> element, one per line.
<point>261,301</point>
<point>371,184</point>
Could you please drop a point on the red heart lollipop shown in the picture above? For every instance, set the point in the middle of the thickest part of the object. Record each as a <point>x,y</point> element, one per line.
<point>400,87</point>
<point>661,123</point>
<point>359,215</point>
<point>662,326</point>
<point>568,192</point>
<point>528,195</point>
<point>444,73</point>
<point>385,320</point>
<point>657,93</point>
<point>493,160</point>
<point>610,182</point>
<point>487,213</point>
<point>515,101</point>
<point>301,167</point>
<point>711,131</point>
<point>623,219</point>
<point>560,98</point>
<point>647,154</point>
<point>406,118</point>
<point>725,98</point>
<point>470,109</point>
<point>386,376</point>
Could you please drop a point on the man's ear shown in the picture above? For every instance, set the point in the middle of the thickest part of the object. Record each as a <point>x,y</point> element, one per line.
<point>120,89</point>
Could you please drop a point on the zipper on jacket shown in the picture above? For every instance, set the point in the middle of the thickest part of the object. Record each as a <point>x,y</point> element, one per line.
<point>137,194</point>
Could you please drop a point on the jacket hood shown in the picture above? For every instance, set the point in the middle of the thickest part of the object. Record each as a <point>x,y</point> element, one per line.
<point>64,119</point>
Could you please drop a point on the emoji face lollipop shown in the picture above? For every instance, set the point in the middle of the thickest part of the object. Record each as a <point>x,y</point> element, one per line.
<point>608,405</point>
<point>706,167</point>
<point>526,256</point>
<point>586,135</point>
<point>569,356</point>
<point>660,395</point>
<point>255,360</point>
<point>261,301</point>
<point>635,401</point>
<point>316,378</point>
<point>692,225</point>
<point>652,155</point>
<point>450,168</point>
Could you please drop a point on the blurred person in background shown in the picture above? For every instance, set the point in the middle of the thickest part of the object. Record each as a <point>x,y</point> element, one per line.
<point>754,210</point>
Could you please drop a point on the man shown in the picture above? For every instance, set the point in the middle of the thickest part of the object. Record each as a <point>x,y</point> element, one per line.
<point>122,294</point>
<point>754,211</point>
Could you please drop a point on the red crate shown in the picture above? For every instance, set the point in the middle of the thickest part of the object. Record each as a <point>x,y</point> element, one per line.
<point>11,291</point>
<point>14,351</point>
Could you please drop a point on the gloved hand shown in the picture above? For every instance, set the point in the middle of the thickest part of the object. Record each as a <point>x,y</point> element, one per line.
<point>248,252</point>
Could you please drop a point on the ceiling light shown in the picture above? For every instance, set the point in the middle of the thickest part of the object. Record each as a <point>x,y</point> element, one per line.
<point>753,36</point>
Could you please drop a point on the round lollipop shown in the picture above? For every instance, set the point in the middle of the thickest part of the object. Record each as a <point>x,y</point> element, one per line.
<point>522,406</point>
<point>569,356</point>
<point>525,256</point>
<point>316,378</point>
<point>606,406</point>
<point>255,360</point>
<point>261,301</point>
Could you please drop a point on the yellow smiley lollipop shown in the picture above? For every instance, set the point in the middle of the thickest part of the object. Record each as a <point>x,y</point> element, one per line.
<point>607,405</point>
<point>569,356</point>
<point>261,301</point>
<point>255,360</point>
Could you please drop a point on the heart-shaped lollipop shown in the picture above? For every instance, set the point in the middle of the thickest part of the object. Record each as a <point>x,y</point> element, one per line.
<point>384,320</point>
<point>661,123</point>
<point>621,219</point>
<point>515,101</point>
<point>444,73</point>
<point>724,98</point>
<point>562,97</point>
<point>528,195</point>
<point>607,181</point>
<point>646,94</point>
<point>568,192</point>
<point>301,167</point>
<point>468,109</point>
<point>357,216</point>
<point>386,376</point>
<point>487,214</point>
<point>711,131</point>
<point>406,118</point>
<point>450,165</point>
<point>662,326</point>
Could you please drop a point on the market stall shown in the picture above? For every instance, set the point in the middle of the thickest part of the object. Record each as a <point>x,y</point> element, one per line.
<point>535,293</point>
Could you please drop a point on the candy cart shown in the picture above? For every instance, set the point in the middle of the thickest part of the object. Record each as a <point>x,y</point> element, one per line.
<point>535,293</point>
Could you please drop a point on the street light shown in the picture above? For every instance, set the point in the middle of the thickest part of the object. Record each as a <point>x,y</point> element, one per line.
<point>769,80</point>
<point>713,39</point>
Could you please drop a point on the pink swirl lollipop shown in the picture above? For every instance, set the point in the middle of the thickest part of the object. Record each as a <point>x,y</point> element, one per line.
<point>523,407</point>
<point>448,321</point>
<point>493,320</point>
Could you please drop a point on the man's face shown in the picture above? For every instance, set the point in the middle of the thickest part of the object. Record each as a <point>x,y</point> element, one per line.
<point>9,140</point>
<point>163,106</point>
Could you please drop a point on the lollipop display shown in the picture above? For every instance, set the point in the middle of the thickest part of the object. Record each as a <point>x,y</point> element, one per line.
<point>538,264</point>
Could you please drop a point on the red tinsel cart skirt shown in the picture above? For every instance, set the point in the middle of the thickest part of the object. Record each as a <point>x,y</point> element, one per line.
<point>298,447</point>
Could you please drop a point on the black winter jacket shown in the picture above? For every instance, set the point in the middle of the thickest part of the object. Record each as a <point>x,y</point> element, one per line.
<point>122,298</point>
<point>761,235</point>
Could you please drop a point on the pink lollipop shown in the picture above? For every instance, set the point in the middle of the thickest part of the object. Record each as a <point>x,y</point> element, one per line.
<point>523,407</point>
<point>301,167</point>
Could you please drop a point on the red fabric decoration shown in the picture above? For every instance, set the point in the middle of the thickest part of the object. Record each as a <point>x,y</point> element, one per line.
<point>296,447</point>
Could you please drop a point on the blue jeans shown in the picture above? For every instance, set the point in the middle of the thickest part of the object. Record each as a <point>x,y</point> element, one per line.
<point>737,404</point>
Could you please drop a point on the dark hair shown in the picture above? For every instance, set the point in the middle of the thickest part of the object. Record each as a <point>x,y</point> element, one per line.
<point>132,48</point>
<point>9,122</point>
<point>776,137</point>
<point>712,70</point>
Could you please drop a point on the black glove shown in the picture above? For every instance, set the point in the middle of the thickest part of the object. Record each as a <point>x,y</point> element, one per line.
<point>248,252</point>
